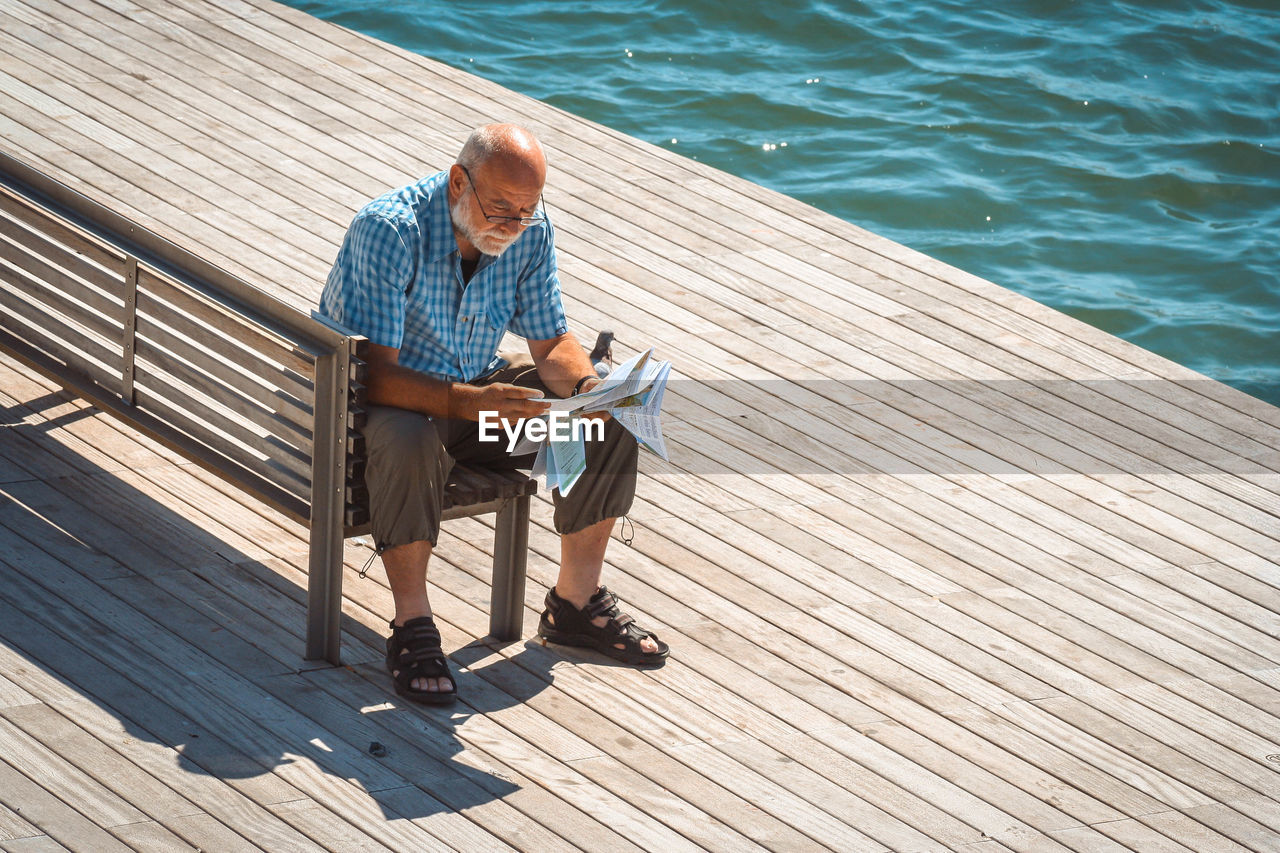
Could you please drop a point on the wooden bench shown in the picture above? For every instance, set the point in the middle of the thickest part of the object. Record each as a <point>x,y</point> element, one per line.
<point>259,393</point>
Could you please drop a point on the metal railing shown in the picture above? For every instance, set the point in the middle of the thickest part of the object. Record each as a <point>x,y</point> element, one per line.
<point>228,376</point>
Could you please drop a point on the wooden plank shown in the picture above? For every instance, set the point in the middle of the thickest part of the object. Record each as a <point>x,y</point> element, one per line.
<point>841,545</point>
<point>76,421</point>
<point>461,779</point>
<point>25,459</point>
<point>1242,708</point>
<point>1142,761</point>
<point>164,198</point>
<point>39,250</point>
<point>12,695</point>
<point>43,523</point>
<point>98,121</point>
<point>1207,607</point>
<point>61,781</point>
<point>32,324</point>
<point>868,690</point>
<point>33,844</point>
<point>41,724</point>
<point>1006,808</point>
<point>285,416</point>
<point>408,735</point>
<point>721,176</point>
<point>162,608</point>
<point>12,825</point>
<point>158,80</point>
<point>280,469</point>
<point>483,732</point>
<point>215,796</point>
<point>211,716</point>
<point>1229,822</point>
<point>68,429</point>
<point>669,777</point>
<point>237,333</point>
<point>150,835</point>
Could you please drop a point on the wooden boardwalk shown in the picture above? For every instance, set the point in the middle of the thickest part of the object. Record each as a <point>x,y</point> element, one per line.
<point>942,569</point>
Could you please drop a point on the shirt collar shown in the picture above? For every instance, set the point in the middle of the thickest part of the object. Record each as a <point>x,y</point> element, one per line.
<point>439,220</point>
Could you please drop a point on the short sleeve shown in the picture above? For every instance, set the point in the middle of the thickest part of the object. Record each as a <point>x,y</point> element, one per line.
<point>539,309</point>
<point>366,287</point>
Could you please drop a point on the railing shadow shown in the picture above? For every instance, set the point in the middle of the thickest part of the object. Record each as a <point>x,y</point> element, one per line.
<point>98,591</point>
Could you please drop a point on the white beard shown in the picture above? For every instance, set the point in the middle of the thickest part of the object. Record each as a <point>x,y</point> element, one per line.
<point>490,242</point>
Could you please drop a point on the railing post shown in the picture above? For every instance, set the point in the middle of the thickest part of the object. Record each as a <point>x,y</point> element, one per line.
<point>328,502</point>
<point>510,559</point>
<point>130,329</point>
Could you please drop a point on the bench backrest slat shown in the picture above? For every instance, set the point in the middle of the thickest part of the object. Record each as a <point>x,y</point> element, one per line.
<point>222,373</point>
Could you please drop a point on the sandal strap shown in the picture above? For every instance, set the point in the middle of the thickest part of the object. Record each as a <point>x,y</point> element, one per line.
<point>622,626</point>
<point>415,649</point>
<point>603,603</point>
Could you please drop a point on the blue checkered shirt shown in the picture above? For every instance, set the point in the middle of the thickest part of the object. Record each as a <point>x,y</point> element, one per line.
<point>398,281</point>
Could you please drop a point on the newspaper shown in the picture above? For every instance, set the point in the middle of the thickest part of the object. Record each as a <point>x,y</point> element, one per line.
<point>631,394</point>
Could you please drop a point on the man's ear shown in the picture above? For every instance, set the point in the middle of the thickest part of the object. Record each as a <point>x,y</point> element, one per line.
<point>457,182</point>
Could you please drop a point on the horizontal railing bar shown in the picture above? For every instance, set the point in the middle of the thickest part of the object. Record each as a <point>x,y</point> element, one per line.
<point>295,351</point>
<point>46,285</point>
<point>152,388</point>
<point>84,353</point>
<point>292,505</point>
<point>93,248</point>
<point>51,253</point>
<point>158,318</point>
<point>258,412</point>
<point>201,435</point>
<point>160,252</point>
<point>252,376</point>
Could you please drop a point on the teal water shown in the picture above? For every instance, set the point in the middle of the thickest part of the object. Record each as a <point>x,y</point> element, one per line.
<point>1117,161</point>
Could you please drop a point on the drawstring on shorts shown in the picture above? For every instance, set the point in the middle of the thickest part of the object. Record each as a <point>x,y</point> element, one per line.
<point>377,552</point>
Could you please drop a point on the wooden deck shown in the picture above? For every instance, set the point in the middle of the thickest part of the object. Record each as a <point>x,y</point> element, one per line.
<point>942,569</point>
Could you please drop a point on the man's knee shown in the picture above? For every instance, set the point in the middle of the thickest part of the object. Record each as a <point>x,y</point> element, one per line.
<point>407,469</point>
<point>398,434</point>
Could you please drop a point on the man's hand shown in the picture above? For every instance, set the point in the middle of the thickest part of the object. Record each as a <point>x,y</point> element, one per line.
<point>592,416</point>
<point>511,402</point>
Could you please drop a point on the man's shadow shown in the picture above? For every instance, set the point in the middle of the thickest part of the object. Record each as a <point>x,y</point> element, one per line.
<point>192,657</point>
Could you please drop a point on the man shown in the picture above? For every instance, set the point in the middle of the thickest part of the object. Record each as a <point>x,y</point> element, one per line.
<point>433,274</point>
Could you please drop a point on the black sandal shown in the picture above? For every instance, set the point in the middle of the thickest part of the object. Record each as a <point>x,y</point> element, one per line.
<point>413,651</point>
<point>566,625</point>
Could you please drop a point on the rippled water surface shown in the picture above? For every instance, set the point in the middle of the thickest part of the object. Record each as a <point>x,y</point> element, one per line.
<point>1117,161</point>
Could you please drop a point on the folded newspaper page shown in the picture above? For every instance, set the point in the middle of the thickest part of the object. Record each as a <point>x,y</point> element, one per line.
<point>631,394</point>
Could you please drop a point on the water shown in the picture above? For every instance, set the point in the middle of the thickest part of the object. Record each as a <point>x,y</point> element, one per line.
<point>1117,161</point>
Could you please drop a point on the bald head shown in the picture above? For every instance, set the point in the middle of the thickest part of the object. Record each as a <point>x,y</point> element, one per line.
<point>505,150</point>
<point>496,183</point>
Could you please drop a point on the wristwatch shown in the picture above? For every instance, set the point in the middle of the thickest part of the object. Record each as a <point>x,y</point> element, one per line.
<point>578,388</point>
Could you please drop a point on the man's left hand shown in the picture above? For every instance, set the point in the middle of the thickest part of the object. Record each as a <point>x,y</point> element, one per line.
<point>592,416</point>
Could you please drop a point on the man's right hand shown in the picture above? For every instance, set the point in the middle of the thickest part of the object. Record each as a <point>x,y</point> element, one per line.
<point>511,402</point>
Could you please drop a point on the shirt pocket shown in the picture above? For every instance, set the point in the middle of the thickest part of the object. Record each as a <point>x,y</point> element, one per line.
<point>482,342</point>
<point>499,309</point>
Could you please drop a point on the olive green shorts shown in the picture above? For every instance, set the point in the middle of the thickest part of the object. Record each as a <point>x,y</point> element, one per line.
<point>410,456</point>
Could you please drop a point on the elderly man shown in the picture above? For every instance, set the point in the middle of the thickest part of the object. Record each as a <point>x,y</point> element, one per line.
<point>433,274</point>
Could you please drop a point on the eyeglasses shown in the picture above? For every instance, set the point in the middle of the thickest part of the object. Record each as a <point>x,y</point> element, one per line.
<point>503,220</point>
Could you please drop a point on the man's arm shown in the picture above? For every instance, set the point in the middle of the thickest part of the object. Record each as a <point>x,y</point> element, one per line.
<point>393,384</point>
<point>561,362</point>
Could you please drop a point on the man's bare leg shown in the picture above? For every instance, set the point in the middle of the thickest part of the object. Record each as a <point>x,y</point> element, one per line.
<point>406,567</point>
<point>581,562</point>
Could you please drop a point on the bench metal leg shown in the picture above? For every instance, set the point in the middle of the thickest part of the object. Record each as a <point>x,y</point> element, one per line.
<point>324,594</point>
<point>510,557</point>
<point>328,494</point>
